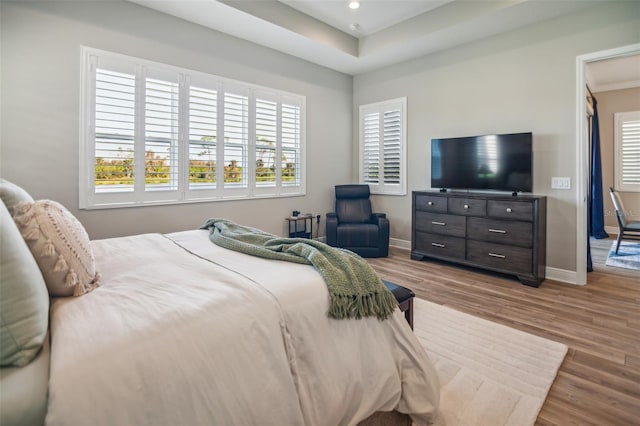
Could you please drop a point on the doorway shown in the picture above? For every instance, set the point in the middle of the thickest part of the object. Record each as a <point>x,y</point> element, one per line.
<point>582,151</point>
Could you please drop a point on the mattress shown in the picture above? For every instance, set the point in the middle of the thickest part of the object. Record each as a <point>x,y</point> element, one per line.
<point>182,331</point>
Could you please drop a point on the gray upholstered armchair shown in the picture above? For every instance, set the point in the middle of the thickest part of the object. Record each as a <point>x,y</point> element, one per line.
<point>353,225</point>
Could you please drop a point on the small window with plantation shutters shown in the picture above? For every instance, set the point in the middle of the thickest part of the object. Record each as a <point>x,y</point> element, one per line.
<point>153,133</point>
<point>627,151</point>
<point>383,146</point>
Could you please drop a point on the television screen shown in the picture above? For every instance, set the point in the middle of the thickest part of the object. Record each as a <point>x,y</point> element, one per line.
<point>490,162</point>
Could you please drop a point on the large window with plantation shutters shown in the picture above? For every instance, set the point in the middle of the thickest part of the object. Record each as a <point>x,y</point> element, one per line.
<point>383,146</point>
<point>627,149</point>
<point>157,134</point>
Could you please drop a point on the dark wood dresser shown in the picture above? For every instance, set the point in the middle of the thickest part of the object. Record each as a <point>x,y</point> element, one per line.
<point>501,233</point>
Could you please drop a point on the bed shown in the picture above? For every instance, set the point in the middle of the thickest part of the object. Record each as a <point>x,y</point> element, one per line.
<point>182,331</point>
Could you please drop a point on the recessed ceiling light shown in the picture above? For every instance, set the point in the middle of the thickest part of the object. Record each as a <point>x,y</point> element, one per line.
<point>354,4</point>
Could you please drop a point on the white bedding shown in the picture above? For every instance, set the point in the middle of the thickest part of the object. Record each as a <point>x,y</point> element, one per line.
<point>183,332</point>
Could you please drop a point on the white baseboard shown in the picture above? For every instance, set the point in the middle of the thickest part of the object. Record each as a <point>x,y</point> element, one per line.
<point>403,244</point>
<point>570,277</point>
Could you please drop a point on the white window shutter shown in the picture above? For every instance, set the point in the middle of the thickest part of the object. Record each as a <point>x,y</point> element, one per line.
<point>114,126</point>
<point>266,143</point>
<point>392,148</point>
<point>236,140</point>
<point>371,148</point>
<point>161,135</point>
<point>203,138</point>
<point>383,146</point>
<point>627,146</point>
<point>631,152</point>
<point>291,129</point>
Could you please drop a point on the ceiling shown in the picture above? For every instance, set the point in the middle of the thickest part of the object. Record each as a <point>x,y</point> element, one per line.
<point>388,31</point>
<point>613,74</point>
<point>371,17</point>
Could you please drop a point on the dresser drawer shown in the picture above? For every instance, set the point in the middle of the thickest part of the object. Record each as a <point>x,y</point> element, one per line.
<point>499,256</point>
<point>510,210</point>
<point>468,207</point>
<point>442,224</point>
<point>500,231</point>
<point>440,245</point>
<point>430,203</point>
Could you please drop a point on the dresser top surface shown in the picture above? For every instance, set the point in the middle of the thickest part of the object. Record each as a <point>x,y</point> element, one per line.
<point>480,195</point>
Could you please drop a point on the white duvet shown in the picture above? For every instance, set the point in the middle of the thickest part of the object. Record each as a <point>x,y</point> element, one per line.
<point>183,332</point>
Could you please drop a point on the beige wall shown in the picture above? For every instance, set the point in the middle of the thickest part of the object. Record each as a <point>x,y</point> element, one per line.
<point>609,103</point>
<point>521,81</point>
<point>524,80</point>
<point>40,59</point>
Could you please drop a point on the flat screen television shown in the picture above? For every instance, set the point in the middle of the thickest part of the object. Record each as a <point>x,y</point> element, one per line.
<point>489,162</point>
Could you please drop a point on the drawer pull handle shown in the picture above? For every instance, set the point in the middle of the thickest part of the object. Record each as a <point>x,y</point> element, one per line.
<point>509,210</point>
<point>498,231</point>
<point>499,256</point>
<point>437,245</point>
<point>438,223</point>
<point>466,206</point>
<point>430,203</point>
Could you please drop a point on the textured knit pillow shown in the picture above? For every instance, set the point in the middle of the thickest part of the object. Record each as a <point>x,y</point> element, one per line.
<point>60,245</point>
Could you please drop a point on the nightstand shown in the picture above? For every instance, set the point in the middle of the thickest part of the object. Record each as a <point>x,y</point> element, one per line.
<point>300,226</point>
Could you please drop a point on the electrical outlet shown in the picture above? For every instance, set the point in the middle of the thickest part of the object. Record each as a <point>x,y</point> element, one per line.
<point>560,183</point>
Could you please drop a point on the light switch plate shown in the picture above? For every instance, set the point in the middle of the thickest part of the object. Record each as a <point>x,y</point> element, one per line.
<point>560,183</point>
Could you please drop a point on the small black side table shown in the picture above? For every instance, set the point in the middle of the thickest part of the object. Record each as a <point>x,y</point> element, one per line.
<point>298,226</point>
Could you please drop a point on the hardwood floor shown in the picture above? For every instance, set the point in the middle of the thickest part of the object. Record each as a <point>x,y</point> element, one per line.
<point>599,380</point>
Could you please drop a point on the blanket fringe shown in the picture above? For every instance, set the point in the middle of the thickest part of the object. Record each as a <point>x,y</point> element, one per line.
<point>380,305</point>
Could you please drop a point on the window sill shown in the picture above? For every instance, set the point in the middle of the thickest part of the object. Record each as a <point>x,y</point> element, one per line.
<point>98,206</point>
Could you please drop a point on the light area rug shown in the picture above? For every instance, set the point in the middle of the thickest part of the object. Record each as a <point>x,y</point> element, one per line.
<point>489,374</point>
<point>628,255</point>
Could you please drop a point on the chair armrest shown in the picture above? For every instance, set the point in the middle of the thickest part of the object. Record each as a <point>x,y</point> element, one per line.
<point>381,220</point>
<point>332,229</point>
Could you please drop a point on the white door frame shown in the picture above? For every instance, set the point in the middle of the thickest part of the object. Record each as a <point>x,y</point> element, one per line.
<point>583,153</point>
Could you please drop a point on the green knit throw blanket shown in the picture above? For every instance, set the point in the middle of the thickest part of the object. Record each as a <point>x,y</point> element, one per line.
<point>355,289</point>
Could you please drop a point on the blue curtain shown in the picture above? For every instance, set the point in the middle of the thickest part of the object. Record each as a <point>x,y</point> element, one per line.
<point>596,208</point>
<point>589,259</point>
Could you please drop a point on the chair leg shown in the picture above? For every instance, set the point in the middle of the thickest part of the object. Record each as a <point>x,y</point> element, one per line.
<point>619,239</point>
<point>408,314</point>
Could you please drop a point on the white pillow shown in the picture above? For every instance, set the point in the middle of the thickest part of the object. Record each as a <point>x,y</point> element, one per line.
<point>60,245</point>
<point>24,302</point>
<point>12,194</point>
